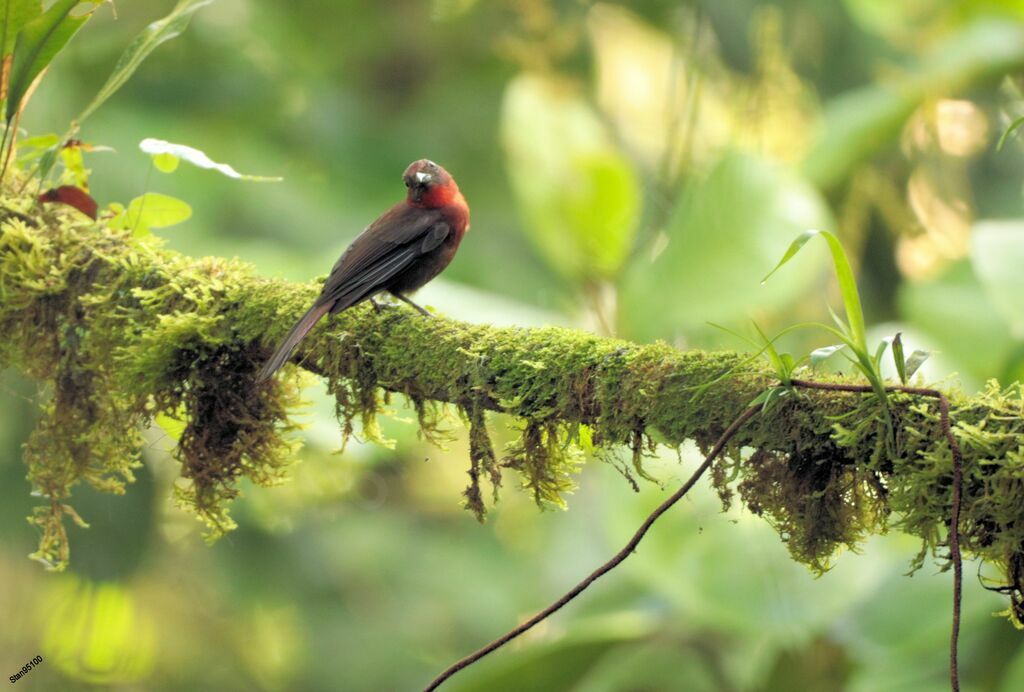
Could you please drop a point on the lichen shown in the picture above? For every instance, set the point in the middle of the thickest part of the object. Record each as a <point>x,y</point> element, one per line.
<point>121,331</point>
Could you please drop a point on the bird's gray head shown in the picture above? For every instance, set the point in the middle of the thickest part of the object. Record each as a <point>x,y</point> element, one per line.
<point>423,176</point>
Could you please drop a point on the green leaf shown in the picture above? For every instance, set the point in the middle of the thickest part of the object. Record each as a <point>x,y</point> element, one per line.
<point>788,363</point>
<point>844,274</point>
<point>154,210</point>
<point>880,351</point>
<point>859,123</point>
<point>997,254</point>
<point>447,10</point>
<point>145,43</point>
<point>825,352</point>
<point>898,359</point>
<point>16,14</point>
<point>915,361</point>
<point>74,164</point>
<point>1009,131</point>
<point>31,148</point>
<point>723,230</point>
<point>166,163</point>
<point>38,43</point>
<point>578,193</point>
<point>773,355</point>
<point>158,147</point>
<point>929,305</point>
<point>172,426</point>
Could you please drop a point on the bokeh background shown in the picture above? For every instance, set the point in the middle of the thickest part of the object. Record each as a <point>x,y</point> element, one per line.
<point>633,168</point>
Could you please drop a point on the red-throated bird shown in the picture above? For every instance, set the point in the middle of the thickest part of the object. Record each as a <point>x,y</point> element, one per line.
<point>407,246</point>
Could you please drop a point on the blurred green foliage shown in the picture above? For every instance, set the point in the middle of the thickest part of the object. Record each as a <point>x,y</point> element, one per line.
<point>632,167</point>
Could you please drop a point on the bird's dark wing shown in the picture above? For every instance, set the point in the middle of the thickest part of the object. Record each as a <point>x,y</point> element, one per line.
<point>381,252</point>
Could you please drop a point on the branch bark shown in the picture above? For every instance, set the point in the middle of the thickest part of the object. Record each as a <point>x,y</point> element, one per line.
<point>123,330</point>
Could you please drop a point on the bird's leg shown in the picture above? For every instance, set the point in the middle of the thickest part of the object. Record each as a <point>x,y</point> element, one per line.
<point>421,310</point>
<point>377,307</point>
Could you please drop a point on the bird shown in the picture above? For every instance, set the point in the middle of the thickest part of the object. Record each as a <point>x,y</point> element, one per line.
<point>402,250</point>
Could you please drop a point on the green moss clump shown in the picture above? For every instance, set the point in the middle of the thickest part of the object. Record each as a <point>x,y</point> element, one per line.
<point>120,338</point>
<point>122,331</point>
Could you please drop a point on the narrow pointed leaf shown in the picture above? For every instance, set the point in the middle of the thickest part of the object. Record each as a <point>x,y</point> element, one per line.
<point>38,43</point>
<point>1009,131</point>
<point>844,275</point>
<point>788,363</point>
<point>145,43</point>
<point>880,351</point>
<point>773,354</point>
<point>898,358</point>
<point>15,15</point>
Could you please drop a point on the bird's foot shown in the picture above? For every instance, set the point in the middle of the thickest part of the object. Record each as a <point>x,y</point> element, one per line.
<point>423,311</point>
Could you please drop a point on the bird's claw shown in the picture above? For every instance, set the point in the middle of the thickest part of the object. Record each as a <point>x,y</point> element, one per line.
<point>423,311</point>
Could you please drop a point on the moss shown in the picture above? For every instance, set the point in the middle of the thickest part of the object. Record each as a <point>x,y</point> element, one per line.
<point>121,331</point>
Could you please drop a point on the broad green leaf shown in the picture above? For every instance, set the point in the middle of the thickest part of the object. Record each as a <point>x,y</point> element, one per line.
<point>578,194</point>
<point>997,253</point>
<point>31,148</point>
<point>154,210</point>
<point>152,36</point>
<point>844,275</point>
<point>117,214</point>
<point>557,663</point>
<point>724,230</point>
<point>166,163</point>
<point>859,123</point>
<point>173,427</point>
<point>957,316</point>
<point>158,147</point>
<point>38,43</point>
<point>1013,676</point>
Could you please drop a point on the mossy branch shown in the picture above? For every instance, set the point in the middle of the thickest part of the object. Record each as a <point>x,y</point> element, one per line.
<point>123,331</point>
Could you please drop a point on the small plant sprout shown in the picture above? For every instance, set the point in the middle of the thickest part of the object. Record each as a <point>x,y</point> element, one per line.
<point>851,331</point>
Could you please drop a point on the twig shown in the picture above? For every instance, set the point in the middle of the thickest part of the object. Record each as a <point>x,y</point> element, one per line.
<point>954,514</point>
<point>606,567</point>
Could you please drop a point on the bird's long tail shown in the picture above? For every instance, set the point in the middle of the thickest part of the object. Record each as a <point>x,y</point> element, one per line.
<point>284,351</point>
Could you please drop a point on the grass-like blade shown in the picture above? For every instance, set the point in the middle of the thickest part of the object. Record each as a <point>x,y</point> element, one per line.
<point>898,359</point>
<point>1009,131</point>
<point>844,275</point>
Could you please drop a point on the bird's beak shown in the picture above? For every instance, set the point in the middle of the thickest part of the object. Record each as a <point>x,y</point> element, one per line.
<point>422,177</point>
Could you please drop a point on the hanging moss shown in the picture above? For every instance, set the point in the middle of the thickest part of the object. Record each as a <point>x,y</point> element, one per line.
<point>121,331</point>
